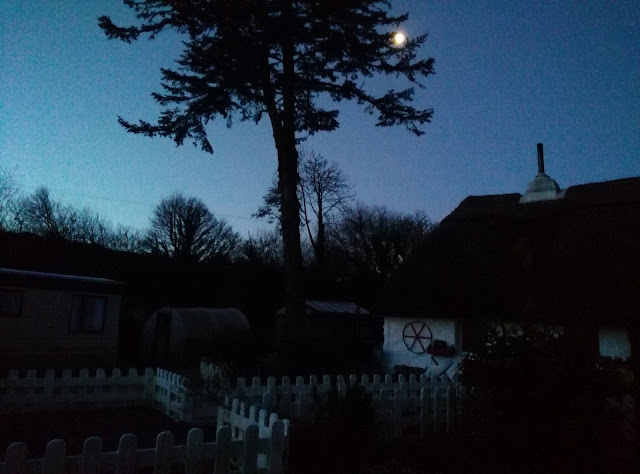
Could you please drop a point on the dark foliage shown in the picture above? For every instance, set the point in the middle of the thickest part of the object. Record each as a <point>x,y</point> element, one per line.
<point>40,214</point>
<point>184,228</point>
<point>369,243</point>
<point>247,59</point>
<point>323,191</point>
<point>538,385</point>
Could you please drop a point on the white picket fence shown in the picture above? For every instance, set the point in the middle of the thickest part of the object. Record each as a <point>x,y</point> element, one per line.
<point>161,389</point>
<point>433,404</point>
<point>248,440</point>
<point>241,418</point>
<point>405,405</point>
<point>30,393</point>
<point>249,454</point>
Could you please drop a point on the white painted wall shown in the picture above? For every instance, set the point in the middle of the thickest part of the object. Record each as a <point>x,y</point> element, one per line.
<point>395,351</point>
<point>614,342</point>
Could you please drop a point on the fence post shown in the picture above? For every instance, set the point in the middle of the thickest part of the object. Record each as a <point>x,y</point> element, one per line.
<point>16,458</point>
<point>187,403</point>
<point>451,414</point>
<point>116,387</point>
<point>194,462</point>
<point>285,405</point>
<point>98,388</point>
<point>425,411</point>
<point>267,402</point>
<point>341,386</point>
<point>149,385</point>
<point>250,450</point>
<point>91,455</point>
<point>161,463</point>
<point>253,413</point>
<point>436,410</point>
<point>276,452</point>
<point>399,397</point>
<point>223,450</point>
<point>303,404</point>
<point>461,407</point>
<point>365,382</point>
<point>222,414</point>
<point>127,447</point>
<point>83,390</point>
<point>286,385</point>
<point>262,418</point>
<point>54,457</point>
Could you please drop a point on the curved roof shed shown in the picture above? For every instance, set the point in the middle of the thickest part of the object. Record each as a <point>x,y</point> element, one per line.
<point>181,336</point>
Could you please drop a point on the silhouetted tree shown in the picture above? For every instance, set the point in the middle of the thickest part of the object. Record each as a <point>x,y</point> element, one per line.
<point>375,240</point>
<point>184,228</point>
<point>245,59</point>
<point>40,214</point>
<point>263,247</point>
<point>126,239</point>
<point>44,216</point>
<point>323,191</point>
<point>8,195</point>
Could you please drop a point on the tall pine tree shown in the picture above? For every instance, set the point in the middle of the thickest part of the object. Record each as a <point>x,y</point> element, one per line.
<point>250,58</point>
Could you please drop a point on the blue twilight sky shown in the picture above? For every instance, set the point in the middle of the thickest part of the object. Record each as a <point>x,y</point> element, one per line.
<point>509,74</point>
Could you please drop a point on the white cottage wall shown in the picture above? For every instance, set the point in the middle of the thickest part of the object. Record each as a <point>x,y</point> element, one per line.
<point>395,351</point>
<point>614,342</point>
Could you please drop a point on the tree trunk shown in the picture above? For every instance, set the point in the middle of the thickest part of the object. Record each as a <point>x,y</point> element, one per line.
<point>321,239</point>
<point>294,337</point>
<point>290,223</point>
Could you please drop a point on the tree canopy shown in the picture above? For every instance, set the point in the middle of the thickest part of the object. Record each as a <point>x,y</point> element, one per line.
<point>235,63</point>
<point>375,240</point>
<point>184,228</point>
<point>282,59</point>
<point>323,192</point>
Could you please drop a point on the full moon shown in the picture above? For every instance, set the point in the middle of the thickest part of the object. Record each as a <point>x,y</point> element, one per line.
<point>399,39</point>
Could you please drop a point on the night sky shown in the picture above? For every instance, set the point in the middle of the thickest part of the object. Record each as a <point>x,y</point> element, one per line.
<point>509,74</point>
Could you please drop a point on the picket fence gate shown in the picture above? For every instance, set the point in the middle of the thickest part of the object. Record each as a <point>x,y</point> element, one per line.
<point>247,441</point>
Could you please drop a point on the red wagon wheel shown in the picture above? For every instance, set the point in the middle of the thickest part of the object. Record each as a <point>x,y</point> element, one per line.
<point>416,336</point>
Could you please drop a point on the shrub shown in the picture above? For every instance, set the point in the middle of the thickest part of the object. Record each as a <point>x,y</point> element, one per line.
<point>535,384</point>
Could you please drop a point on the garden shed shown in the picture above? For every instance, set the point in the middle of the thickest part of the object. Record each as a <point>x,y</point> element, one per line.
<point>341,330</point>
<point>177,337</point>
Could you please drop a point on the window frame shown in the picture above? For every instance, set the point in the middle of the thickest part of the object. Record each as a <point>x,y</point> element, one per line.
<point>20,305</point>
<point>82,317</point>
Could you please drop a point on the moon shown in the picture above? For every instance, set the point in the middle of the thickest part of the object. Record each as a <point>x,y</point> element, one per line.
<point>399,38</point>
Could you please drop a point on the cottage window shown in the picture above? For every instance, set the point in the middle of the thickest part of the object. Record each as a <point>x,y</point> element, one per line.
<point>10,303</point>
<point>87,313</point>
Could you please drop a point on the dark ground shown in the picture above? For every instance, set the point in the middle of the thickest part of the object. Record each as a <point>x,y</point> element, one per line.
<point>334,453</point>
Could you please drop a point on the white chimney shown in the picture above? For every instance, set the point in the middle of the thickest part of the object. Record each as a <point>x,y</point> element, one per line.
<point>542,188</point>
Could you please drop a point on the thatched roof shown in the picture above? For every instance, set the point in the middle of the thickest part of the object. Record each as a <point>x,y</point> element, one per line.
<point>576,258</point>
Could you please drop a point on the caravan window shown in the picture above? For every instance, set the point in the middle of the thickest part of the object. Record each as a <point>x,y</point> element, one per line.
<point>87,313</point>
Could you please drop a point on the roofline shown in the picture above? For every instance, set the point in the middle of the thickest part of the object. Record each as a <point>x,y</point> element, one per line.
<point>58,276</point>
